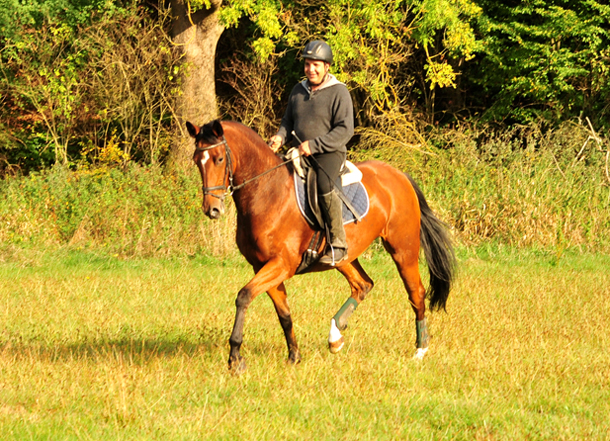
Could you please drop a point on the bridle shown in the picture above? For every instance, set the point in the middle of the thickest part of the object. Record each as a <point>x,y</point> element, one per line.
<point>227,189</point>
<point>230,189</point>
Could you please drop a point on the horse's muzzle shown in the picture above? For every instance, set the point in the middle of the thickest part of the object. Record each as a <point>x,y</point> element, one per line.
<point>214,213</point>
<point>213,205</point>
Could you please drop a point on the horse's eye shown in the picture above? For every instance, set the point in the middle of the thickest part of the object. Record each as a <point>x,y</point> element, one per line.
<point>220,160</point>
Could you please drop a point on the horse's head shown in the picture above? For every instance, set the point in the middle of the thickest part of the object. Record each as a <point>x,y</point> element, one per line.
<point>213,159</point>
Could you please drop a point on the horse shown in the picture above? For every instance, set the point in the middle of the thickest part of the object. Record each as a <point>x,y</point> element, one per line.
<point>273,235</point>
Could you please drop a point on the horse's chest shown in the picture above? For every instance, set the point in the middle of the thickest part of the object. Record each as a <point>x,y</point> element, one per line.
<point>255,243</point>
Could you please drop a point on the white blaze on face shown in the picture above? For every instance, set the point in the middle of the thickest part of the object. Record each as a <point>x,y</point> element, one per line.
<point>205,158</point>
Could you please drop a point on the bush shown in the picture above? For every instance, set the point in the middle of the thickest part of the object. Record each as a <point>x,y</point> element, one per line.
<point>137,211</point>
<point>72,86</point>
<point>523,187</point>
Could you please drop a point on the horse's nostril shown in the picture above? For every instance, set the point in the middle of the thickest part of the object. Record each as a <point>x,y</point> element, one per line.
<point>214,213</point>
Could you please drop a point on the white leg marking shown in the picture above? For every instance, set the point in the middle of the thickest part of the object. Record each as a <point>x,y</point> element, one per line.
<point>335,334</point>
<point>335,339</point>
<point>419,354</point>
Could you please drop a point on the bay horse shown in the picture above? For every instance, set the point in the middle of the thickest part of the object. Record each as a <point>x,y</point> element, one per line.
<point>272,234</point>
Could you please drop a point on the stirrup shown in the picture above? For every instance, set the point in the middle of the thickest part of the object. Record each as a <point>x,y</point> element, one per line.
<point>333,256</point>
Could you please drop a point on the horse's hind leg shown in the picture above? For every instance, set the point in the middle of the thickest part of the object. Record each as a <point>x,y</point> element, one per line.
<point>406,260</point>
<point>280,302</point>
<point>361,284</point>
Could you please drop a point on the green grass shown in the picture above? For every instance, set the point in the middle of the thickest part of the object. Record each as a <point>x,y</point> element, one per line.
<point>95,347</point>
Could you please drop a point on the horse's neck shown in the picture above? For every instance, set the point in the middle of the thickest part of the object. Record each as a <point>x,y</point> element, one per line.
<point>261,189</point>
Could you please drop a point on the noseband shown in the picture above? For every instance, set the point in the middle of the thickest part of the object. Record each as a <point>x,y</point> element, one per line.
<point>228,190</point>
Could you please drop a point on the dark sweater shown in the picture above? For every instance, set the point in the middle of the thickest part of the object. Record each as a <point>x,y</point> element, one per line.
<point>325,117</point>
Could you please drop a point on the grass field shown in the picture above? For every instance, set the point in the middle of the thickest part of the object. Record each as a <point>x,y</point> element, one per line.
<point>94,347</point>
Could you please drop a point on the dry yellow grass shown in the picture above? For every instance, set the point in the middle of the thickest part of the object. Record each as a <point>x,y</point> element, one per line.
<point>92,347</point>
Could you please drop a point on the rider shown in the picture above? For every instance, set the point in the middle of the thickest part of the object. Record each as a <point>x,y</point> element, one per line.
<point>320,111</point>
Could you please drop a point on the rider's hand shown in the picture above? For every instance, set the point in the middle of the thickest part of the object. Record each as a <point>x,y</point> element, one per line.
<point>304,149</point>
<point>275,143</point>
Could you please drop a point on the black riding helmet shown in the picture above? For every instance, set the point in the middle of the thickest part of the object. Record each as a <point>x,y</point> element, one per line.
<point>318,50</point>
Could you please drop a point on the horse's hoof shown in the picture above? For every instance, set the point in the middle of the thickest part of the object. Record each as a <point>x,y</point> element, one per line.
<point>237,367</point>
<point>294,359</point>
<point>335,346</point>
<point>420,353</point>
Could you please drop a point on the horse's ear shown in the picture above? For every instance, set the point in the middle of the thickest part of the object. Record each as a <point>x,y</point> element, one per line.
<point>193,129</point>
<point>217,129</point>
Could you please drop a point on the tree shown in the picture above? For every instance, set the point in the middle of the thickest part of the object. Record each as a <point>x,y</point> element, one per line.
<point>543,59</point>
<point>376,43</point>
<point>41,63</point>
<point>79,78</point>
<point>195,33</point>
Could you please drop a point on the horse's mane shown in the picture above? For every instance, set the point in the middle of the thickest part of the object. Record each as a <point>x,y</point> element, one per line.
<point>207,135</point>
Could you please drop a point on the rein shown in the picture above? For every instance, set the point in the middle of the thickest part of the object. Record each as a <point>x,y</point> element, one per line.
<point>230,189</point>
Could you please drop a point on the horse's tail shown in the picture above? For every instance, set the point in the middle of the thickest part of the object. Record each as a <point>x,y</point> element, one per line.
<point>438,251</point>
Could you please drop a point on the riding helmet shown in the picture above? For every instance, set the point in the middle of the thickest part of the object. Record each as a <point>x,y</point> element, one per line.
<point>318,50</point>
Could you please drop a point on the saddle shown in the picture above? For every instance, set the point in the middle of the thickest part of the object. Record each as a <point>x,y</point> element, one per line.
<point>351,191</point>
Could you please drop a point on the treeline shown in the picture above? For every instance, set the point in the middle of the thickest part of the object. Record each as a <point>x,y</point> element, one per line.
<point>500,63</point>
<point>84,82</point>
<point>499,110</point>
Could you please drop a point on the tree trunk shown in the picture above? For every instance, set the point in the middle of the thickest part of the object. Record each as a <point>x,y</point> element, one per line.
<point>195,36</point>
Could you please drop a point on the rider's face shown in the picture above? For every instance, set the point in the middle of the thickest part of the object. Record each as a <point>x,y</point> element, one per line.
<point>315,70</point>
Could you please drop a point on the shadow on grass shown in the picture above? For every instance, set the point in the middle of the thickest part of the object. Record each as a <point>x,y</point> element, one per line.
<point>136,349</point>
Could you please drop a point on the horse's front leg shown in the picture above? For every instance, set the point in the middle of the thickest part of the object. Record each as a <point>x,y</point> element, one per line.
<point>280,302</point>
<point>269,277</point>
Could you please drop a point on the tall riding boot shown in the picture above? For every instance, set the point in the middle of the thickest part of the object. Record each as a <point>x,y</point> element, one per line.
<point>332,208</point>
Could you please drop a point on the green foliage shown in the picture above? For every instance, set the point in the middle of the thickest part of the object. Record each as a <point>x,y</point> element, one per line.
<point>544,58</point>
<point>452,19</point>
<point>135,211</point>
<point>265,14</point>
<point>17,14</point>
<point>525,187</point>
<point>514,62</point>
<point>48,78</point>
<point>440,74</point>
<point>70,78</point>
<point>197,5</point>
<point>373,41</point>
